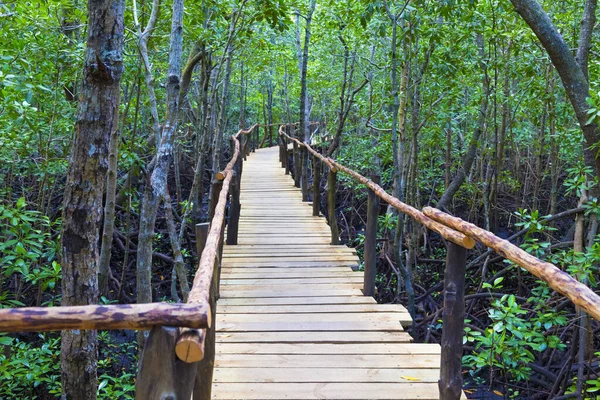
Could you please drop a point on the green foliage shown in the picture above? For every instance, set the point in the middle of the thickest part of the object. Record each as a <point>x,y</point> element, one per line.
<point>31,371</point>
<point>115,380</point>
<point>509,342</point>
<point>27,248</point>
<point>532,222</point>
<point>578,180</point>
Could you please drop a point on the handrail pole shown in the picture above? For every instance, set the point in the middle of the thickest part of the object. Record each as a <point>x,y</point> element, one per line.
<point>217,185</point>
<point>160,374</point>
<point>286,153</point>
<point>297,167</point>
<point>304,162</point>
<point>280,145</point>
<point>283,151</point>
<point>204,376</point>
<point>243,146</point>
<point>453,317</point>
<point>331,184</point>
<point>316,205</point>
<point>256,139</point>
<point>370,246</point>
<point>234,217</point>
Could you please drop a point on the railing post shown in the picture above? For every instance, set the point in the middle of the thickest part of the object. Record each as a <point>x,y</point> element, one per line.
<point>316,206</point>
<point>204,376</point>
<point>234,217</point>
<point>247,146</point>
<point>161,374</point>
<point>280,145</point>
<point>201,234</point>
<point>256,137</point>
<point>370,252</point>
<point>297,166</point>
<point>331,183</point>
<point>453,317</point>
<point>287,156</point>
<point>304,162</point>
<point>283,151</point>
<point>217,185</point>
<point>243,142</point>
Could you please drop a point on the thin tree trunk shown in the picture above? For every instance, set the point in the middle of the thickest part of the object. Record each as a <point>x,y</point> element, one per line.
<point>156,187</point>
<point>109,214</point>
<point>471,154</point>
<point>179,266</point>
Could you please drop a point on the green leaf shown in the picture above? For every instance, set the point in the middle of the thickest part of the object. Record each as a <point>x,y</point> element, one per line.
<point>511,300</point>
<point>102,384</point>
<point>6,340</point>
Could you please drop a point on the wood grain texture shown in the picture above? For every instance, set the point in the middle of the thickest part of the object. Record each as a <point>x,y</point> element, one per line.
<point>114,316</point>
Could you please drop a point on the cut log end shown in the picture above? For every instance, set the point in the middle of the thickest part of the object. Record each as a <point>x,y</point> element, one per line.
<point>190,346</point>
<point>468,243</point>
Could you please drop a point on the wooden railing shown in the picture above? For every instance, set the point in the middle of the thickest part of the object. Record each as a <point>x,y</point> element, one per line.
<point>460,235</point>
<point>189,374</point>
<point>178,356</point>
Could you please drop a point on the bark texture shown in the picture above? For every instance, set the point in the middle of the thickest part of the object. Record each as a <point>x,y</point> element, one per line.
<point>97,118</point>
<point>114,316</point>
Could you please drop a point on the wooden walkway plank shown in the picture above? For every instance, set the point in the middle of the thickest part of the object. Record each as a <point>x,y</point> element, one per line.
<point>292,321</point>
<point>326,375</point>
<point>314,337</point>
<point>346,391</point>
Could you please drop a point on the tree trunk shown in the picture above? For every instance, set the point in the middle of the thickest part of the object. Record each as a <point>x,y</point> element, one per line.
<point>572,74</point>
<point>109,214</point>
<point>157,184</point>
<point>304,111</point>
<point>97,119</point>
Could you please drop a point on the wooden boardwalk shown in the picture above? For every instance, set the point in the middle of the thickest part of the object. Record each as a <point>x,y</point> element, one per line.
<point>292,322</point>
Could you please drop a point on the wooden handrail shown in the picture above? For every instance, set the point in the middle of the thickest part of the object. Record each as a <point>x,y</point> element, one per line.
<point>246,131</point>
<point>446,232</point>
<point>190,343</point>
<point>324,159</point>
<point>102,317</point>
<point>581,295</point>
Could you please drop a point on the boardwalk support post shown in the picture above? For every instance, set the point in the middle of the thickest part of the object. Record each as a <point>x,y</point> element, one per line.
<point>316,205</point>
<point>331,184</point>
<point>304,163</point>
<point>204,376</point>
<point>256,136</point>
<point>287,156</point>
<point>217,185</point>
<point>281,153</point>
<point>161,374</point>
<point>297,165</point>
<point>234,217</point>
<point>453,316</point>
<point>371,241</point>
